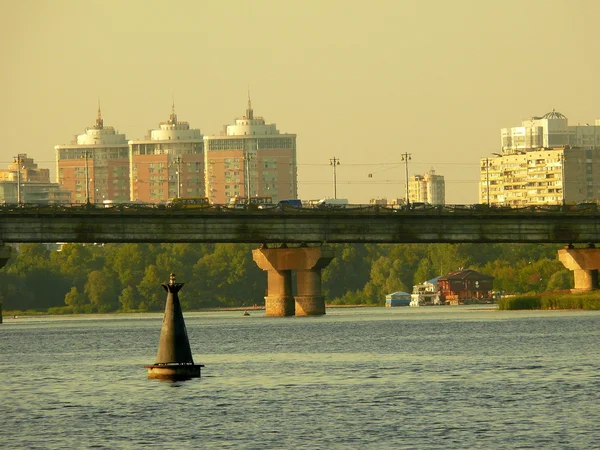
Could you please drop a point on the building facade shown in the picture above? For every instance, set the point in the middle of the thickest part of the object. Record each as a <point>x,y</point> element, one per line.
<point>545,161</point>
<point>552,130</point>
<point>24,182</point>
<point>168,163</point>
<point>94,167</point>
<point>250,158</point>
<point>461,285</point>
<point>427,188</point>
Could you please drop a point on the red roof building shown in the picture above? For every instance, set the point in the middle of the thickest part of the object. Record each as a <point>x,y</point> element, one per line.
<point>461,285</point>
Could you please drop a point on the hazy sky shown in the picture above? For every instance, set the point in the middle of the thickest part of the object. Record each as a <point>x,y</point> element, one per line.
<point>361,81</point>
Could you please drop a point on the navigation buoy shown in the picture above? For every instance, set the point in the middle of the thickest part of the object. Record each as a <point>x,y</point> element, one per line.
<point>174,358</point>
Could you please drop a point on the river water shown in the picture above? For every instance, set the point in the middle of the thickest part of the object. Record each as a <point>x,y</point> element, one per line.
<point>415,378</point>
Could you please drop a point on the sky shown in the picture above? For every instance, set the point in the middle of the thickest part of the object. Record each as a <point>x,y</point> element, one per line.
<point>364,82</point>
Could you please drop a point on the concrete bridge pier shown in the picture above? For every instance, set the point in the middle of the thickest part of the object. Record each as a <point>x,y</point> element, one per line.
<point>5,252</point>
<point>279,301</point>
<point>279,263</point>
<point>584,262</point>
<point>310,301</point>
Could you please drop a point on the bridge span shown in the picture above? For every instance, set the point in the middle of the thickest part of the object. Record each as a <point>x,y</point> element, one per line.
<point>304,226</point>
<point>216,224</point>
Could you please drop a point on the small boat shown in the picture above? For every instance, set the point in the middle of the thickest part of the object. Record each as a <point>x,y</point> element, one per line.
<point>246,313</point>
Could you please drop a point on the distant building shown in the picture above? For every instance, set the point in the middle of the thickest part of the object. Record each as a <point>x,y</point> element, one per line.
<point>252,158</point>
<point>378,201</point>
<point>552,130</point>
<point>168,163</point>
<point>461,285</point>
<point>427,188</point>
<point>426,293</point>
<point>398,298</point>
<point>24,181</point>
<point>545,161</point>
<point>94,167</point>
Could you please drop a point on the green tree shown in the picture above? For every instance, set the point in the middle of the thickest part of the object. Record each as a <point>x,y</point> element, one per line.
<point>150,289</point>
<point>560,280</point>
<point>385,279</point>
<point>77,301</point>
<point>424,272</point>
<point>101,291</point>
<point>129,299</point>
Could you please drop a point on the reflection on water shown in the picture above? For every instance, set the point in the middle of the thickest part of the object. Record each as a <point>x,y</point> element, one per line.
<point>438,377</point>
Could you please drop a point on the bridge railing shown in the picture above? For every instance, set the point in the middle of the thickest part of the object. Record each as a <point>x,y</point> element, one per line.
<point>414,209</point>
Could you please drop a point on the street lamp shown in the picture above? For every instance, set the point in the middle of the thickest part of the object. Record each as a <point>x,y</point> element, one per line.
<point>86,155</point>
<point>247,159</point>
<point>562,174</point>
<point>487,180</point>
<point>334,162</point>
<point>178,161</point>
<point>17,159</point>
<point>406,157</point>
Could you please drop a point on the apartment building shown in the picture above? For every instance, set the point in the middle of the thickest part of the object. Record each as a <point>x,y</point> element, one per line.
<point>94,167</point>
<point>545,161</point>
<point>24,182</point>
<point>427,188</point>
<point>168,163</point>
<point>250,158</point>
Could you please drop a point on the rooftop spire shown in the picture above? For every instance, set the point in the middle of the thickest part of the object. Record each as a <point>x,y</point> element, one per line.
<point>249,111</point>
<point>173,116</point>
<point>99,121</point>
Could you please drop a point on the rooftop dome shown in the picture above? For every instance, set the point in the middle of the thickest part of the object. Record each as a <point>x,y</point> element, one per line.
<point>553,115</point>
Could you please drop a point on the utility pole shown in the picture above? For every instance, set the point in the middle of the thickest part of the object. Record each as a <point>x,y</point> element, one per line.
<point>406,157</point>
<point>487,180</point>
<point>334,162</point>
<point>18,161</point>
<point>86,155</point>
<point>562,171</point>
<point>178,161</point>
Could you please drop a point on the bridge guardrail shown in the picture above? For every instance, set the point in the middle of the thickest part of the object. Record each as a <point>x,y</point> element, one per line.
<point>474,209</point>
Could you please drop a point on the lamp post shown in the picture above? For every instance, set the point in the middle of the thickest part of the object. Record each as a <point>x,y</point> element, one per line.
<point>17,159</point>
<point>178,161</point>
<point>86,155</point>
<point>562,175</point>
<point>487,180</point>
<point>334,162</point>
<point>406,157</point>
<point>247,159</point>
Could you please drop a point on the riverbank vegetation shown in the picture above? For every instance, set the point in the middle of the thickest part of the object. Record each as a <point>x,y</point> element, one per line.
<point>77,278</point>
<point>588,300</point>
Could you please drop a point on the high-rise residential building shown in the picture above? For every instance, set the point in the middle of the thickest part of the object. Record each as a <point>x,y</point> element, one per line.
<point>94,167</point>
<point>168,163</point>
<point>545,161</point>
<point>427,188</point>
<point>250,157</point>
<point>552,130</point>
<point>24,182</point>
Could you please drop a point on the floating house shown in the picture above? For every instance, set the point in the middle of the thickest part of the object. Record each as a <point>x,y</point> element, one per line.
<point>425,294</point>
<point>397,298</point>
<point>465,286</point>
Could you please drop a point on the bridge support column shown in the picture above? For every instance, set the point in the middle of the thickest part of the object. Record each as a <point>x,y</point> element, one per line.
<point>5,252</point>
<point>308,263</point>
<point>309,301</point>
<point>279,301</point>
<point>584,262</point>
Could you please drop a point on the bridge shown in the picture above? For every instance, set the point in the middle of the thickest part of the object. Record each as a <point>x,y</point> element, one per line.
<point>219,224</point>
<point>304,231</point>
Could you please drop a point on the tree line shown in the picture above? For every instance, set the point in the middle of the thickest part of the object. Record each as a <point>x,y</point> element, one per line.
<point>83,278</point>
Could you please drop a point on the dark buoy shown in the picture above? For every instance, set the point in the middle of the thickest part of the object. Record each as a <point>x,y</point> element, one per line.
<point>174,358</point>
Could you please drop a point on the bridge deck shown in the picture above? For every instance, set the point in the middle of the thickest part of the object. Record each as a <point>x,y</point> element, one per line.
<point>127,223</point>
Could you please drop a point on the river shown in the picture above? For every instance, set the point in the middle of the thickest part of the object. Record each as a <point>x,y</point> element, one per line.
<point>415,378</point>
